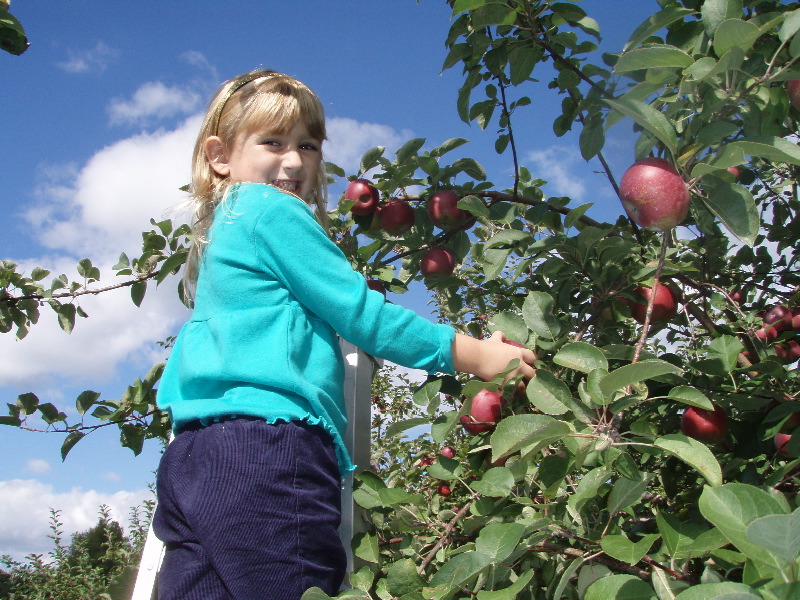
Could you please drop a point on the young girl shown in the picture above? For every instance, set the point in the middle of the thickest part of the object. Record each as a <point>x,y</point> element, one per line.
<point>249,488</point>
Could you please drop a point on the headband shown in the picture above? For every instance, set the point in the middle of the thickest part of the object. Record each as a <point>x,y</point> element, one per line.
<point>235,88</point>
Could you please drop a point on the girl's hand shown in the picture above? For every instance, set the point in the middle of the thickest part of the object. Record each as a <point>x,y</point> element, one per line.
<point>487,358</point>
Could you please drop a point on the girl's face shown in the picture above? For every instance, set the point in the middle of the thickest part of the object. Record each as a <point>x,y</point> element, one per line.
<point>288,161</point>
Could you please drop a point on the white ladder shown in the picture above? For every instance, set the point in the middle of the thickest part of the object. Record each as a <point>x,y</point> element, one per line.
<point>359,370</point>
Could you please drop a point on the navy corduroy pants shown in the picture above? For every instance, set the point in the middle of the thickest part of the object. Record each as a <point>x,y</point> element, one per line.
<point>249,511</point>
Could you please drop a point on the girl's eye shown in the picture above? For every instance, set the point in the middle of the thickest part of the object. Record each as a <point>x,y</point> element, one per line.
<point>271,143</point>
<point>309,146</point>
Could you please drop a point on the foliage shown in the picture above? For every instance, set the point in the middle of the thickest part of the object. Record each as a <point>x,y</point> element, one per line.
<point>586,488</point>
<point>99,563</point>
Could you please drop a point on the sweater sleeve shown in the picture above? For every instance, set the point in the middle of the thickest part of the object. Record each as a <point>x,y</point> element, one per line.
<point>295,248</point>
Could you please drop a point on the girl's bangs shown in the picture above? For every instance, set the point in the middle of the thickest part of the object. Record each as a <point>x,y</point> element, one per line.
<point>282,106</point>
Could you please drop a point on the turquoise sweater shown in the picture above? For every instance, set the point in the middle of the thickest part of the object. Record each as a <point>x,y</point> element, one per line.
<point>273,292</point>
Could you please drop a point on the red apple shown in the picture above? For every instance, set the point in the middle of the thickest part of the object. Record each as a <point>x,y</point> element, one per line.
<point>737,295</point>
<point>444,212</point>
<point>448,452</point>
<point>779,317</point>
<point>395,217</point>
<point>377,285</point>
<point>796,318</point>
<point>767,333</point>
<point>781,440</point>
<point>788,352</point>
<point>793,89</point>
<point>364,194</point>
<point>443,489</point>
<point>736,172</point>
<point>485,412</point>
<point>654,194</point>
<point>437,263</point>
<point>705,425</point>
<point>426,460</point>
<point>665,307</point>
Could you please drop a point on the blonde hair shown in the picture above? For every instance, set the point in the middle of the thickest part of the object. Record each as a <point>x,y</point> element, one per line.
<point>242,105</point>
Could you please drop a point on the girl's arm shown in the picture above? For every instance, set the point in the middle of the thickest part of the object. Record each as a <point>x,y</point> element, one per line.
<point>487,358</point>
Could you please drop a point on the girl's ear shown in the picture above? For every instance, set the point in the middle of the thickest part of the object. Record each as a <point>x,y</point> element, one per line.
<point>216,156</point>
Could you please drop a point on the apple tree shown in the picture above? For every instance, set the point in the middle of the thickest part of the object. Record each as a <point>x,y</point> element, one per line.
<point>652,456</point>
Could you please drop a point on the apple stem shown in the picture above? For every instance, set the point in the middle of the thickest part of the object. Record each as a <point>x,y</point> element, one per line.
<point>656,279</point>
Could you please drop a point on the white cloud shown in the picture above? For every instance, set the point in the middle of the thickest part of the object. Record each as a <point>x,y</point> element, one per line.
<point>98,211</point>
<point>101,208</point>
<point>25,513</point>
<point>94,60</point>
<point>37,466</point>
<point>153,100</point>
<point>349,139</point>
<point>559,167</point>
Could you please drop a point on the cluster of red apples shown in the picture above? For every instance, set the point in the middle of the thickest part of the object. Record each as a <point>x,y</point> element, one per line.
<point>779,320</point>
<point>396,217</point>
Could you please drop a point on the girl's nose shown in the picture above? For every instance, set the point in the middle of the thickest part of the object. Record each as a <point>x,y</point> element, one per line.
<point>292,161</point>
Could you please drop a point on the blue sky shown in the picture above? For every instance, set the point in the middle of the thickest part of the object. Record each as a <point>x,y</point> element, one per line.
<point>98,121</point>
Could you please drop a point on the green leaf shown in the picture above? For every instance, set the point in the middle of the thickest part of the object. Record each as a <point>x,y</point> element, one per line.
<point>515,432</point>
<point>688,540</point>
<point>73,438</point>
<point>410,148</point>
<point>27,403</point>
<point>138,291</point>
<point>457,571</point>
<point>714,12</point>
<point>499,540</point>
<point>511,324</point>
<point>619,587</point>
<point>12,35</point>
<point>733,204</point>
<point>580,356</point>
<point>779,534</point>
<point>694,453</point>
<point>626,492</point>
<point>86,400</point>
<point>367,490</point>
<point>473,205</point>
<point>574,215</point>
<point>649,118</point>
<point>727,590</point>
<point>732,507</point>
<point>521,63</point>
<point>735,33</point>
<point>371,159</point>
<point>445,469</point>
<point>537,311</point>
<point>404,425</point>
<point>497,482</point>
<point>448,146</point>
<point>509,593</point>
<point>653,56</point>
<point>402,577</point>
<point>365,547</point>
<point>507,238</point>
<point>634,373</point>
<point>548,393</point>
<point>66,317</point>
<point>393,496</point>
<point>691,396</point>
<point>592,138</point>
<point>621,548</point>
<point>50,414</point>
<point>791,25</point>
<point>655,23</point>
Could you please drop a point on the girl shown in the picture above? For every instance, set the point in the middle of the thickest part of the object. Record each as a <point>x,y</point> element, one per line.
<point>249,488</point>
